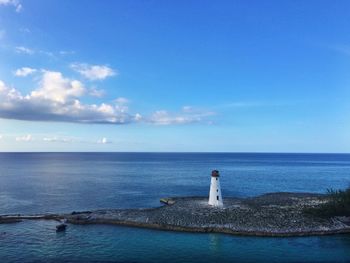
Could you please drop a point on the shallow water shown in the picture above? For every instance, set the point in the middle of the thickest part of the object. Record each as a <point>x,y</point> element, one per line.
<point>37,241</point>
<point>64,182</point>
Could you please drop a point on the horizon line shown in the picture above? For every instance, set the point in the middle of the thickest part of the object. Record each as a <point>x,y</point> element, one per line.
<point>183,152</point>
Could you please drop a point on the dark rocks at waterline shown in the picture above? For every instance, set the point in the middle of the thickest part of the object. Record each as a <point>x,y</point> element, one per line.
<point>6,219</point>
<point>61,227</point>
<point>275,214</point>
<point>9,220</point>
<point>167,201</point>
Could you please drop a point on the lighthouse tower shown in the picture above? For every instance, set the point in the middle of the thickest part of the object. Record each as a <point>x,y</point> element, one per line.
<point>215,198</point>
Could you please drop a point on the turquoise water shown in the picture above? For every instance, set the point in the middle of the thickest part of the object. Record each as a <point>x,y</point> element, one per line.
<point>33,183</point>
<point>36,241</point>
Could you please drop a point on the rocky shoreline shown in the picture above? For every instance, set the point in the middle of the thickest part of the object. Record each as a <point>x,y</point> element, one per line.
<point>274,214</point>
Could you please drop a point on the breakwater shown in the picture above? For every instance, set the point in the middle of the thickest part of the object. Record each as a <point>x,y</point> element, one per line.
<point>274,214</point>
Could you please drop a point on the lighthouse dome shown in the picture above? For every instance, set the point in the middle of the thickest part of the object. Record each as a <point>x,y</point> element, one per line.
<point>215,173</point>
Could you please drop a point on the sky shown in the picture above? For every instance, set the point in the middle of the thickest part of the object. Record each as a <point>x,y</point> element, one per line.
<point>182,76</point>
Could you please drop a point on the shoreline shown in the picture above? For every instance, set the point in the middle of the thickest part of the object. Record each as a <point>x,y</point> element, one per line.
<point>270,215</point>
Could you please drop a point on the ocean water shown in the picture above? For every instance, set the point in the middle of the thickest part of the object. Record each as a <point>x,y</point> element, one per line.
<point>66,182</point>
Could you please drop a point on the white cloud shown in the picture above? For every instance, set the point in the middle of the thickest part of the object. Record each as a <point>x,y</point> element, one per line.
<point>54,87</point>
<point>65,139</point>
<point>24,71</point>
<point>58,99</point>
<point>66,52</point>
<point>25,138</point>
<point>138,117</point>
<point>1,136</point>
<point>24,50</point>
<point>186,116</point>
<point>163,117</point>
<point>58,139</point>
<point>94,72</point>
<point>122,104</point>
<point>99,93</point>
<point>30,51</point>
<point>122,100</point>
<point>187,108</point>
<point>2,86</point>
<point>103,141</point>
<point>14,3</point>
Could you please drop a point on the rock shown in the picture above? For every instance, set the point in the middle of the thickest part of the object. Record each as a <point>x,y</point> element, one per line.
<point>167,201</point>
<point>61,227</point>
<point>275,214</point>
<point>344,219</point>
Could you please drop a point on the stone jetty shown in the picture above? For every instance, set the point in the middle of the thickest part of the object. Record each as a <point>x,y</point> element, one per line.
<point>274,214</point>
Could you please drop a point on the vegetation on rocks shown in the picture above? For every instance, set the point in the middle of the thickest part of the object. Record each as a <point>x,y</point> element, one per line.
<point>338,204</point>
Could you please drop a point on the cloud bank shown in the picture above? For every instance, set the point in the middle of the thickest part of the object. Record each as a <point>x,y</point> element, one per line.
<point>58,139</point>
<point>26,138</point>
<point>186,116</point>
<point>59,99</point>
<point>93,72</point>
<point>25,71</point>
<point>15,3</point>
<point>24,50</point>
<point>103,141</point>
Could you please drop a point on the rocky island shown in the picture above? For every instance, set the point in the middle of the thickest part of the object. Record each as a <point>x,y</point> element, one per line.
<point>274,214</point>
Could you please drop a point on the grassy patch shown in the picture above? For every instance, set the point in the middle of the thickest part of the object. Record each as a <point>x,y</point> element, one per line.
<point>338,204</point>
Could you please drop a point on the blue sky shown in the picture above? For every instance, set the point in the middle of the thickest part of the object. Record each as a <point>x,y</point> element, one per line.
<point>233,76</point>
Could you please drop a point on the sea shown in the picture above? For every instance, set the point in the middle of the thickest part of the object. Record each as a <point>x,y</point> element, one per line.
<point>33,183</point>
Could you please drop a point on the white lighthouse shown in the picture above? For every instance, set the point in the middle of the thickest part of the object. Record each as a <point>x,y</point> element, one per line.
<point>215,198</point>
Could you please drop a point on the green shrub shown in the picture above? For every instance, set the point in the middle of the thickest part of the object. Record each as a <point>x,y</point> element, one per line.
<point>338,204</point>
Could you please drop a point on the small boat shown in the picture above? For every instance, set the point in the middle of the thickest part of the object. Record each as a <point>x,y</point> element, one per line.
<point>61,227</point>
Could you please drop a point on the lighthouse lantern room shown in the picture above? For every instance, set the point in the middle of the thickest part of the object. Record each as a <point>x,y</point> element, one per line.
<point>215,198</point>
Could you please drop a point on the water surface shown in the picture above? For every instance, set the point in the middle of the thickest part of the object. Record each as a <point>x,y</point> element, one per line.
<point>65,182</point>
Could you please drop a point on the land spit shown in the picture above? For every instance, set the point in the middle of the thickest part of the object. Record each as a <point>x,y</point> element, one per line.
<point>274,214</point>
